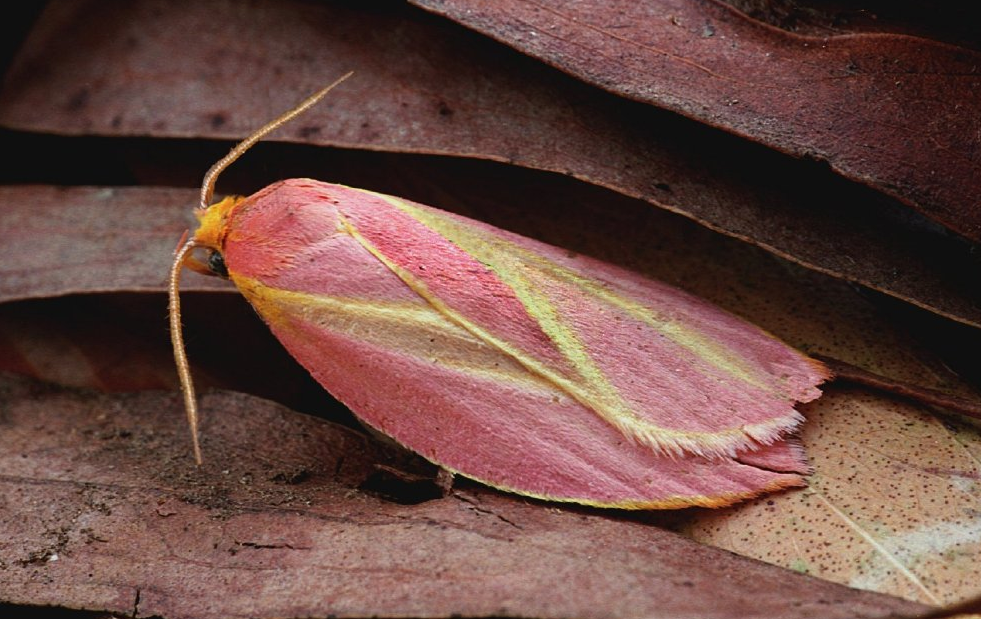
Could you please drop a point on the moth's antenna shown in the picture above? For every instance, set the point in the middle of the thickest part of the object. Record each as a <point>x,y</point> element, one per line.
<point>177,340</point>
<point>188,245</point>
<point>208,185</point>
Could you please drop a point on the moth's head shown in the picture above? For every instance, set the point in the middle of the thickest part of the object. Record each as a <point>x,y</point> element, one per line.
<point>212,229</point>
<point>214,221</point>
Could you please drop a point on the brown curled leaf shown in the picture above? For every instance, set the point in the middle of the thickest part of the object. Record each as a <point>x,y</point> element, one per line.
<point>955,24</point>
<point>931,397</point>
<point>899,113</point>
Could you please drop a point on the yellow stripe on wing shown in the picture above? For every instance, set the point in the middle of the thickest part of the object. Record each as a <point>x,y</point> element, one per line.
<point>412,329</point>
<point>590,386</point>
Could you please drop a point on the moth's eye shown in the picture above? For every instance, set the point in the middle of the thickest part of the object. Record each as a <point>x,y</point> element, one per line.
<point>216,262</point>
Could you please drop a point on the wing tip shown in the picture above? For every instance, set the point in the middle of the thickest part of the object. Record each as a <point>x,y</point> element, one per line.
<point>724,444</point>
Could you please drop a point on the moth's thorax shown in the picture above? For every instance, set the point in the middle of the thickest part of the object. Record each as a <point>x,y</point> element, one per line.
<point>278,228</point>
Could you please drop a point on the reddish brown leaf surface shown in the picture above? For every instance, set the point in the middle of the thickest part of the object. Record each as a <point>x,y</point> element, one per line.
<point>68,240</point>
<point>424,85</point>
<point>899,113</point>
<point>103,510</point>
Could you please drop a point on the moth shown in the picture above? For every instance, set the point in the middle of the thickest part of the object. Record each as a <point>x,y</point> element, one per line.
<point>501,358</point>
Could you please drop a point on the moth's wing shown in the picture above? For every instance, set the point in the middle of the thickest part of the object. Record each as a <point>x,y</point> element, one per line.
<point>416,367</point>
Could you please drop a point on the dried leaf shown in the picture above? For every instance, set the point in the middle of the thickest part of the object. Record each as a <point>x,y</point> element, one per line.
<point>71,342</point>
<point>68,240</point>
<point>891,507</point>
<point>104,511</point>
<point>899,113</point>
<point>460,95</point>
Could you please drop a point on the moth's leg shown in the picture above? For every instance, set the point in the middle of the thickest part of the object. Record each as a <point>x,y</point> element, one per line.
<point>444,481</point>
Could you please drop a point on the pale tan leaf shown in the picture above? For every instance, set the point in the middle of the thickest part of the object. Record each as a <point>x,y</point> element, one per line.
<point>894,504</point>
